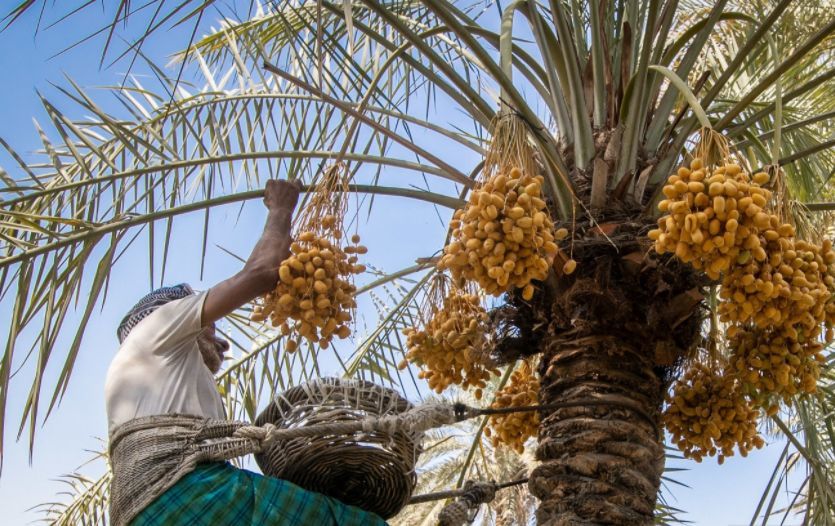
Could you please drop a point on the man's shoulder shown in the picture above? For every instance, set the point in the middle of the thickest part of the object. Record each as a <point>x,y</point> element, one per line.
<point>165,328</point>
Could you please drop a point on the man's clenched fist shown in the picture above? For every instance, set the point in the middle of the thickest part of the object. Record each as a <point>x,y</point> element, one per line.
<point>281,195</point>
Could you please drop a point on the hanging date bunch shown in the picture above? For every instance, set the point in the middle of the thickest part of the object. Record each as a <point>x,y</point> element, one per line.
<point>771,362</point>
<point>787,283</point>
<point>757,290</point>
<point>789,289</point>
<point>714,214</point>
<point>504,237</point>
<point>778,353</point>
<point>514,429</point>
<point>450,348</point>
<point>776,298</point>
<point>709,415</point>
<point>314,296</point>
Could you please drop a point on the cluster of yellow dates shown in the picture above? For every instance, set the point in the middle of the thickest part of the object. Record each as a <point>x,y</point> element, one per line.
<point>450,348</point>
<point>777,330</point>
<point>781,312</point>
<point>504,237</point>
<point>776,297</point>
<point>772,363</point>
<point>712,215</point>
<point>709,415</point>
<point>779,287</point>
<point>314,297</point>
<point>514,429</point>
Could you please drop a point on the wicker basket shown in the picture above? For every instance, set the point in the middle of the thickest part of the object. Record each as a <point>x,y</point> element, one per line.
<point>373,471</point>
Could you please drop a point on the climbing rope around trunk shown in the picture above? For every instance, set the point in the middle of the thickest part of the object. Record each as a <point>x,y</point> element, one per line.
<point>422,418</point>
<point>428,416</point>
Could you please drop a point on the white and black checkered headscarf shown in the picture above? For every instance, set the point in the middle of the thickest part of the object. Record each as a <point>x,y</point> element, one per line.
<point>149,304</point>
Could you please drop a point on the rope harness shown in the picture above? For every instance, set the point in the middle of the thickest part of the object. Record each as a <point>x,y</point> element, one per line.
<point>455,493</point>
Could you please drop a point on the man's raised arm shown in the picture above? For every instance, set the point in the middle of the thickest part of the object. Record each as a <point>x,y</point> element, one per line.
<point>260,272</point>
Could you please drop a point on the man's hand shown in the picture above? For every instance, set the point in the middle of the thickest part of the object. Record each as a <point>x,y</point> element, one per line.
<point>281,195</point>
<point>260,272</point>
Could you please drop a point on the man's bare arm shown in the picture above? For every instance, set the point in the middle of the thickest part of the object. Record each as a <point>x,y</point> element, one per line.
<point>260,272</point>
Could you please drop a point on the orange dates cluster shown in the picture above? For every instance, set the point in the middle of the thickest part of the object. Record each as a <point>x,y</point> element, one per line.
<point>314,296</point>
<point>450,348</point>
<point>708,415</point>
<point>711,216</point>
<point>504,237</point>
<point>514,429</point>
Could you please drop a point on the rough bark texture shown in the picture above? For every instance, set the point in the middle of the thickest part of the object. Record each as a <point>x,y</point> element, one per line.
<point>618,327</point>
<point>599,464</point>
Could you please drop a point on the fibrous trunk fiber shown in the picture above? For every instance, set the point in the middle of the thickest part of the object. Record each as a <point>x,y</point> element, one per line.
<point>600,464</point>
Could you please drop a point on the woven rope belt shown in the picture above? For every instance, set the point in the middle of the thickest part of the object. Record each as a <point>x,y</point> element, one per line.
<point>149,455</point>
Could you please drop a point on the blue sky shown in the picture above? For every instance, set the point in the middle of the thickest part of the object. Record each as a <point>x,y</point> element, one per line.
<point>396,232</point>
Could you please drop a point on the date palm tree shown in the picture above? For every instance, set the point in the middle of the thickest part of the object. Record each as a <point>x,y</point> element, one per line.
<point>612,95</point>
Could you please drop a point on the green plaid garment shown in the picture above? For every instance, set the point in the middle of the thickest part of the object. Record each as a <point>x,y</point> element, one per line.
<point>219,494</point>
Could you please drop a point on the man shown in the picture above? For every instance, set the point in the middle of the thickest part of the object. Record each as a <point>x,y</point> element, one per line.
<point>168,439</point>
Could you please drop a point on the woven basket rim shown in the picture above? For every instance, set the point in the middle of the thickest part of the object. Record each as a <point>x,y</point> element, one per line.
<point>313,462</point>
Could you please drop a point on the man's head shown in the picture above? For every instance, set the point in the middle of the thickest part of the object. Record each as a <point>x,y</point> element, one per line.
<point>211,347</point>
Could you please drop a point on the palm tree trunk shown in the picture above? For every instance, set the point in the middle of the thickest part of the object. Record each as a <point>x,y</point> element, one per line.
<point>618,328</point>
<point>599,464</point>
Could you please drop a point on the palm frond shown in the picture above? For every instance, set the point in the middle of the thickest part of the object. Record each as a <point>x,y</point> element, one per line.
<point>108,176</point>
<point>84,500</point>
